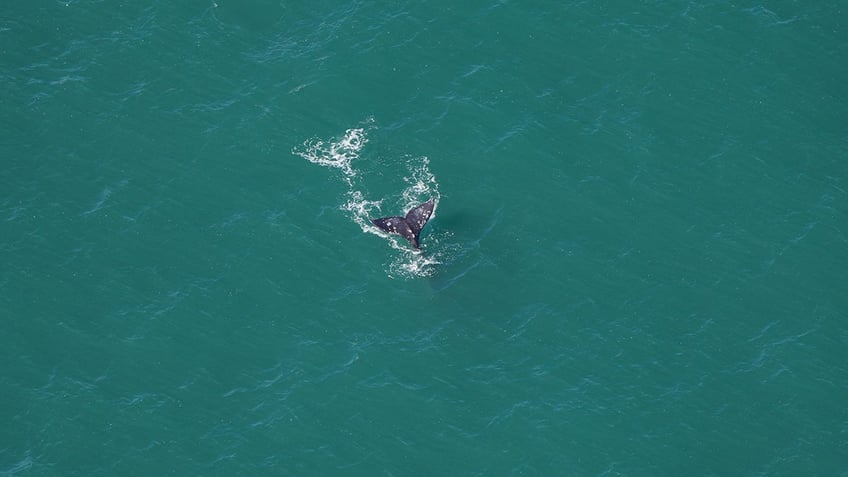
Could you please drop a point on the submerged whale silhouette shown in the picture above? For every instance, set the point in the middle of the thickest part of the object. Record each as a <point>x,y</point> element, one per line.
<point>410,226</point>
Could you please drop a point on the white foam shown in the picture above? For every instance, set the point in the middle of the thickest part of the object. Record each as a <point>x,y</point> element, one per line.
<point>338,154</point>
<point>422,185</point>
<point>361,209</point>
<point>411,264</point>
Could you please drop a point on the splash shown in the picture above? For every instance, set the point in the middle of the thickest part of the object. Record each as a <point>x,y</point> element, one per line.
<point>342,153</point>
<point>412,264</point>
<point>361,209</point>
<point>337,154</point>
<point>422,185</point>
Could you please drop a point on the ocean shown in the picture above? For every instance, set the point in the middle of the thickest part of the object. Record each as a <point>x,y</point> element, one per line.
<point>636,265</point>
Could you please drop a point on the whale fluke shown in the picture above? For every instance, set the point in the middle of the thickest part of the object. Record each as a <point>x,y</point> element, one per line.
<point>410,226</point>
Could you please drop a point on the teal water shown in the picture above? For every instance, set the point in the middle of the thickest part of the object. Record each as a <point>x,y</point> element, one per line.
<point>637,265</point>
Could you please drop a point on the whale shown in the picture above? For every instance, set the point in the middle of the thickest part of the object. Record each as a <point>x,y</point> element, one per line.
<point>408,227</point>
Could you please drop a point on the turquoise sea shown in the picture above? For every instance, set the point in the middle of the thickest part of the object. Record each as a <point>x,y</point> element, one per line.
<point>637,266</point>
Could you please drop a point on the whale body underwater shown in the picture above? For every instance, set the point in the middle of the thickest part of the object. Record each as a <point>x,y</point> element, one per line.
<point>409,227</point>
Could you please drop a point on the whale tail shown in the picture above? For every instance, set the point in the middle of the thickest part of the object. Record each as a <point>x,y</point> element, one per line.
<point>410,226</point>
